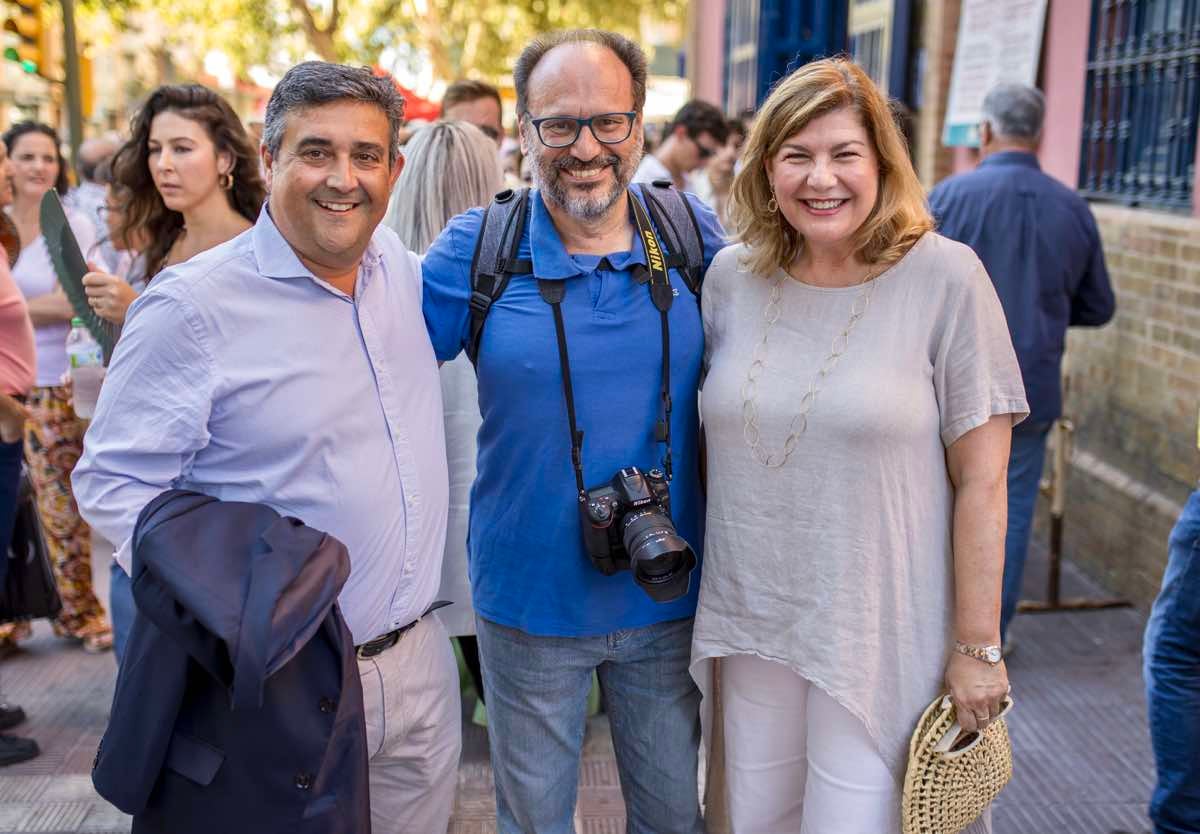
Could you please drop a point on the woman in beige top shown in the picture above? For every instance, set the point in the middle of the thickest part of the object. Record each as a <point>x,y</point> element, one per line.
<point>860,396</point>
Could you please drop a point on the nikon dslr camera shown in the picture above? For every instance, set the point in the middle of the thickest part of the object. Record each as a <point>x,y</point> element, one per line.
<point>627,524</point>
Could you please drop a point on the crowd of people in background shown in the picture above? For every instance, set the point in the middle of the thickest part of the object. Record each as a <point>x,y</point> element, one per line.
<point>280,349</point>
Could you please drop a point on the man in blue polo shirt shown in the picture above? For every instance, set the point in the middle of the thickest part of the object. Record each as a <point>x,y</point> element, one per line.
<point>1041,247</point>
<point>547,618</point>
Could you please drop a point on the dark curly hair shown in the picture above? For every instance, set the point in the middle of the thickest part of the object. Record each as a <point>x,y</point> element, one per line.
<point>10,137</point>
<point>144,209</point>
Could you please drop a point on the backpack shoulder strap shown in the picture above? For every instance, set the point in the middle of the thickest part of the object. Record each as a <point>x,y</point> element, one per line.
<point>673,215</point>
<point>496,258</point>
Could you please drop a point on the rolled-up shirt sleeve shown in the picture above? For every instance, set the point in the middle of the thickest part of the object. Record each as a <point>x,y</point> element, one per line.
<point>151,419</point>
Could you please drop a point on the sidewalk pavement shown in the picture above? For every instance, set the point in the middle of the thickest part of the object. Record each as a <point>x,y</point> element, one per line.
<point>1082,757</point>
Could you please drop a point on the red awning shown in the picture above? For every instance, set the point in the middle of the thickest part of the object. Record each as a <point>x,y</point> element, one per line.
<point>415,106</point>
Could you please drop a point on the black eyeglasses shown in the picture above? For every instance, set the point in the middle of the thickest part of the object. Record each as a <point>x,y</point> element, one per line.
<point>563,131</point>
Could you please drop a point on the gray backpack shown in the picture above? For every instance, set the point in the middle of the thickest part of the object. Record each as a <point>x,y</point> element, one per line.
<point>496,258</point>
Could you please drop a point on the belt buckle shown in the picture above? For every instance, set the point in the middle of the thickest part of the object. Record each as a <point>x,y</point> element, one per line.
<point>383,642</point>
<point>378,646</point>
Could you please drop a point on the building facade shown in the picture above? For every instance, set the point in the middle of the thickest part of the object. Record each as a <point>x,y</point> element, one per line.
<point>1122,86</point>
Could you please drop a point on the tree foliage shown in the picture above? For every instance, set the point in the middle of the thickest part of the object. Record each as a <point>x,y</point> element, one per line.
<point>478,39</point>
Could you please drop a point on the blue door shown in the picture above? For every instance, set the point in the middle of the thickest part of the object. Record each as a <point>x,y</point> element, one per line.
<point>766,39</point>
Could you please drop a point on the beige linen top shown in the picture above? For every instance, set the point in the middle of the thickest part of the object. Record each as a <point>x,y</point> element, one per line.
<point>839,564</point>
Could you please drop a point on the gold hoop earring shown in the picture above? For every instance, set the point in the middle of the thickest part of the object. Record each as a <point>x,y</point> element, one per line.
<point>772,206</point>
<point>225,182</point>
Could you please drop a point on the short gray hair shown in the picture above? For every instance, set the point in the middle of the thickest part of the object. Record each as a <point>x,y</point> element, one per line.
<point>313,83</point>
<point>1015,111</point>
<point>630,53</point>
<point>450,167</point>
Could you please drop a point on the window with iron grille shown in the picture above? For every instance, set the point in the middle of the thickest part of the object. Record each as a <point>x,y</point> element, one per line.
<point>1143,96</point>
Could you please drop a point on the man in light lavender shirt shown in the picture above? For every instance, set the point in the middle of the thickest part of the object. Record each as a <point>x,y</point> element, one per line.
<point>291,366</point>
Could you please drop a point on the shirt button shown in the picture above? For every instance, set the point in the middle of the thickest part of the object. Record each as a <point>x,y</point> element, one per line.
<point>326,705</point>
<point>303,781</point>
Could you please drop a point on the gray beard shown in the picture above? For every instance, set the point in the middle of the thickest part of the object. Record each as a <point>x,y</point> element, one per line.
<point>590,206</point>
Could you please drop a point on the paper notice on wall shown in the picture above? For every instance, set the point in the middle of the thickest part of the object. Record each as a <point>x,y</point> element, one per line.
<point>997,42</point>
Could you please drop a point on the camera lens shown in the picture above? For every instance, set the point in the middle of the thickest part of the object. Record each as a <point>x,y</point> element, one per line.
<point>661,560</point>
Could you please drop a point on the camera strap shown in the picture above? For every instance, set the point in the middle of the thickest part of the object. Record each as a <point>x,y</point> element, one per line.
<point>661,295</point>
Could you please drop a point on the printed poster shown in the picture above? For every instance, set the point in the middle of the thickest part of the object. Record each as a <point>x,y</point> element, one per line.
<point>997,42</point>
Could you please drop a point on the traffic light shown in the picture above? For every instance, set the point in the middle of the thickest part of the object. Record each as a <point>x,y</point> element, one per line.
<point>23,18</point>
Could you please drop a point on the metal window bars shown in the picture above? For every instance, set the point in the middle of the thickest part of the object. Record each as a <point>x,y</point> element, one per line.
<point>1142,102</point>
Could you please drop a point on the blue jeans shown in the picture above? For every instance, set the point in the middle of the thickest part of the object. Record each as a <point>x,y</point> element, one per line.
<point>1025,461</point>
<point>121,608</point>
<point>10,482</point>
<point>1172,670</point>
<point>537,689</point>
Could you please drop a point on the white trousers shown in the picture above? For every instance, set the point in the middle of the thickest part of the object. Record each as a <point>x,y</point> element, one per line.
<point>414,731</point>
<point>797,761</point>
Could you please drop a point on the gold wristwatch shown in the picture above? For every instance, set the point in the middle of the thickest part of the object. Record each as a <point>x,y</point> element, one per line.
<point>991,655</point>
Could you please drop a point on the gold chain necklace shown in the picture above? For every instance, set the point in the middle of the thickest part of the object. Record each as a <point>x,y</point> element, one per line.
<point>798,424</point>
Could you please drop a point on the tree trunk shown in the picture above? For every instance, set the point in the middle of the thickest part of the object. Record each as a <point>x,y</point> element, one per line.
<point>320,39</point>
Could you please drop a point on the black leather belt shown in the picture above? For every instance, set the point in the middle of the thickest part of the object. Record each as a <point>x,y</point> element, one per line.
<point>381,644</point>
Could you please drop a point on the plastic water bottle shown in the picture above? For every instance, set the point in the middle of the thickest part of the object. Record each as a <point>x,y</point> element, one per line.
<point>85,359</point>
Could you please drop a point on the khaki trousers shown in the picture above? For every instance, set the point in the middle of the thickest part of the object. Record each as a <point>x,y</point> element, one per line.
<point>414,731</point>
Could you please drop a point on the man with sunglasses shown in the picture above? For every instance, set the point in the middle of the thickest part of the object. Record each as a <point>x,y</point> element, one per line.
<point>547,618</point>
<point>697,132</point>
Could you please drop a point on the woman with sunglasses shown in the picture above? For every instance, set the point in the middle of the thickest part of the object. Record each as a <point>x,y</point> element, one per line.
<point>53,434</point>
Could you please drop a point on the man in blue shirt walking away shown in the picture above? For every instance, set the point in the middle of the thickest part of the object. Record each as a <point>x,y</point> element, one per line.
<point>547,615</point>
<point>1041,247</point>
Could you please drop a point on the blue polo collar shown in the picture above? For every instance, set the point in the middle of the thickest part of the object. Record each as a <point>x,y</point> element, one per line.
<point>1023,159</point>
<point>550,258</point>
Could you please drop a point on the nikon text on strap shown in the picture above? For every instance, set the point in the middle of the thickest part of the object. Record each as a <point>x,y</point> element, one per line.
<point>497,248</point>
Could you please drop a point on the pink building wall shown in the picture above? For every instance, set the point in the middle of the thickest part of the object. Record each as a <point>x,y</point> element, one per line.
<point>965,159</point>
<point>706,50</point>
<point>1064,76</point>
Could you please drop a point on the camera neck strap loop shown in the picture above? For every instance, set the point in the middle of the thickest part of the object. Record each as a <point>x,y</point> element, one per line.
<point>552,293</point>
<point>662,296</point>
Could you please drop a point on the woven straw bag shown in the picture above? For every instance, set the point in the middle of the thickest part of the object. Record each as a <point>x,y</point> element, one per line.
<point>953,776</point>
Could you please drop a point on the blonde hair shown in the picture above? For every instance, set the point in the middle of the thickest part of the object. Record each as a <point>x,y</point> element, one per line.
<point>900,215</point>
<point>449,167</point>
